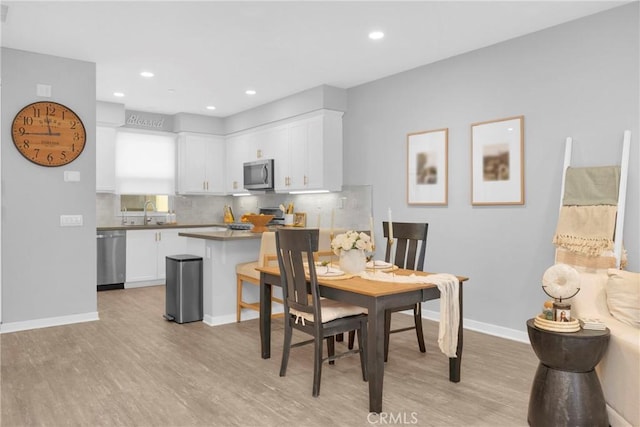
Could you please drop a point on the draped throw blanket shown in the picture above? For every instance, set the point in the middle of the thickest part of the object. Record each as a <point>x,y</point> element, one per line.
<point>449,288</point>
<point>591,186</point>
<point>587,230</point>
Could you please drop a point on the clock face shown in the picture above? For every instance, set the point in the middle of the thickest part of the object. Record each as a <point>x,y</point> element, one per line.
<point>48,133</point>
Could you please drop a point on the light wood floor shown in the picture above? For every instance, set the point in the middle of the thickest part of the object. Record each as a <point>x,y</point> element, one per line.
<point>133,368</point>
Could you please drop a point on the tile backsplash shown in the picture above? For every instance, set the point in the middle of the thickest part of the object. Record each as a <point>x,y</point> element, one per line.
<point>351,208</point>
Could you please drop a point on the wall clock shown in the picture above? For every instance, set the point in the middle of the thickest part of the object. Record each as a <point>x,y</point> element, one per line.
<point>48,133</point>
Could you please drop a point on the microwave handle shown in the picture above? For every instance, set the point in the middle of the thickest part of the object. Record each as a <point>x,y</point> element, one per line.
<point>265,174</point>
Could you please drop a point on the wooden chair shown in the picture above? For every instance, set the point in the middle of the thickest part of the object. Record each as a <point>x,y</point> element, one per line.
<point>410,243</point>
<point>304,310</point>
<point>246,272</point>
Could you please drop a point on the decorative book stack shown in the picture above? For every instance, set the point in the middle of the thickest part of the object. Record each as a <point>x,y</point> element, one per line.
<point>590,323</point>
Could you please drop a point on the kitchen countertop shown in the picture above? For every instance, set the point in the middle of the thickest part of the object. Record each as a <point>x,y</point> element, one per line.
<point>223,235</point>
<point>157,226</point>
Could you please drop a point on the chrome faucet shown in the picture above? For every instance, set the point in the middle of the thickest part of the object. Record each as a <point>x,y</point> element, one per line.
<point>148,202</point>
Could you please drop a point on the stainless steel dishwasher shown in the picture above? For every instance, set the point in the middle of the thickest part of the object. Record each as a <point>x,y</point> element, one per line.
<point>112,250</point>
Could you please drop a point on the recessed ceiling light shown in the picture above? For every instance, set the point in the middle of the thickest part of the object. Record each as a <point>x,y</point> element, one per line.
<point>146,74</point>
<point>376,35</point>
<point>210,107</point>
<point>250,92</point>
<point>118,94</point>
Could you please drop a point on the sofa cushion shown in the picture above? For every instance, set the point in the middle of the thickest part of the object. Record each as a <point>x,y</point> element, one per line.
<point>623,296</point>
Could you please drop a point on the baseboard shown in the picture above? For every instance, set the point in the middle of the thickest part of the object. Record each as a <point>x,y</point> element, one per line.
<point>48,322</point>
<point>485,328</point>
<point>246,315</point>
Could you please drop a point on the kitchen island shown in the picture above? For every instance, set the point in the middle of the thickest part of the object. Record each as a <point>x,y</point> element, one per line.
<point>223,250</point>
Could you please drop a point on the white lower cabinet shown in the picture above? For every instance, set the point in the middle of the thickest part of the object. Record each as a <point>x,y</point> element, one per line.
<point>146,254</point>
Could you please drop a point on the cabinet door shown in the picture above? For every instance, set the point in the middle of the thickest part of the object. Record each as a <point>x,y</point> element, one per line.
<point>215,166</point>
<point>201,164</point>
<point>237,148</point>
<point>278,143</point>
<point>141,255</point>
<point>105,159</point>
<point>298,162</point>
<point>168,243</point>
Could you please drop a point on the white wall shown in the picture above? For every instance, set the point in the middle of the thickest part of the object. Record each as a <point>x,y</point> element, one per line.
<point>48,272</point>
<point>579,79</point>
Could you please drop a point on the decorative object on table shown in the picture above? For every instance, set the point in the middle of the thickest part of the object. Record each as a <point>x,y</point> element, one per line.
<point>427,167</point>
<point>48,134</point>
<point>592,324</point>
<point>497,162</point>
<point>299,219</point>
<point>259,222</point>
<point>560,282</point>
<point>352,248</point>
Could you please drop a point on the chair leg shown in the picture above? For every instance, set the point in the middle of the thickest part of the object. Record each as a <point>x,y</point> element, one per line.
<point>417,317</point>
<point>352,335</point>
<point>238,299</point>
<point>331,349</point>
<point>362,345</point>
<point>387,332</point>
<point>317,365</point>
<point>286,347</point>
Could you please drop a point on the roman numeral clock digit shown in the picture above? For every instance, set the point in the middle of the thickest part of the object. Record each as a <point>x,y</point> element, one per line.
<point>48,134</point>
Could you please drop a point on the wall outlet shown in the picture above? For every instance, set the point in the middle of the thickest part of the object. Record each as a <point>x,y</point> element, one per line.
<point>70,220</point>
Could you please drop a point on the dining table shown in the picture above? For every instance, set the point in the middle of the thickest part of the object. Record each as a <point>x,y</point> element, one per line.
<point>374,295</point>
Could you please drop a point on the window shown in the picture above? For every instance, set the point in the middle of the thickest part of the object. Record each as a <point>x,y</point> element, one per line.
<point>145,163</point>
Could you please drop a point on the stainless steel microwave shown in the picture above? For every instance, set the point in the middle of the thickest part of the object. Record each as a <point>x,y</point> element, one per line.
<point>258,175</point>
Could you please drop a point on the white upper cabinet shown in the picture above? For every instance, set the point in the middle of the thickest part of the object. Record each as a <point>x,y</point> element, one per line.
<point>239,149</point>
<point>105,159</point>
<point>307,153</point>
<point>201,164</point>
<point>313,159</point>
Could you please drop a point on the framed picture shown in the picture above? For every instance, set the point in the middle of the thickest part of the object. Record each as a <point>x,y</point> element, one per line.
<point>427,169</point>
<point>299,219</point>
<point>497,162</point>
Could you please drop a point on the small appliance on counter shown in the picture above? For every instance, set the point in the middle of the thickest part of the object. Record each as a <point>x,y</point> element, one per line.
<point>278,215</point>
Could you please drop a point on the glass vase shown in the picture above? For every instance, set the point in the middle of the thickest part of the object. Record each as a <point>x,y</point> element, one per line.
<point>353,261</point>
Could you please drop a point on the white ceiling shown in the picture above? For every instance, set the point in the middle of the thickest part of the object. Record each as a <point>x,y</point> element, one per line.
<point>209,52</point>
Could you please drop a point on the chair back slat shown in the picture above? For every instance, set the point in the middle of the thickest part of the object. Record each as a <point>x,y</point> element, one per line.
<point>296,248</point>
<point>410,244</point>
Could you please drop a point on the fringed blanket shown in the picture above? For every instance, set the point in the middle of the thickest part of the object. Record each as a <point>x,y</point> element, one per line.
<point>449,288</point>
<point>586,230</point>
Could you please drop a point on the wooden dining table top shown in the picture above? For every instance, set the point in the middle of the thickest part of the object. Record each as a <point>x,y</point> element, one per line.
<point>374,288</point>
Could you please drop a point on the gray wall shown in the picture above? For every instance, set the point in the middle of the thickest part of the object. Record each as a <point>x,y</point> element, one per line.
<point>579,79</point>
<point>47,271</point>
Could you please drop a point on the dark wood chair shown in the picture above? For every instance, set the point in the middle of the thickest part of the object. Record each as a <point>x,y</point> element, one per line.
<point>304,310</point>
<point>410,244</point>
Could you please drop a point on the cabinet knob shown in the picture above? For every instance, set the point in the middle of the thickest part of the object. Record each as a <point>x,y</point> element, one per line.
<point>259,153</point>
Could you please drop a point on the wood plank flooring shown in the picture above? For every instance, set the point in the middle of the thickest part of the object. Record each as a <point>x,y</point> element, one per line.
<point>133,368</point>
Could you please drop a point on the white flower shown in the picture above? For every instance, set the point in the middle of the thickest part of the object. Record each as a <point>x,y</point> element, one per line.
<point>351,240</point>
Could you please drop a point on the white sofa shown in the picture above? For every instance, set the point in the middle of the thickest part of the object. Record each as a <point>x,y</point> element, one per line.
<point>619,370</point>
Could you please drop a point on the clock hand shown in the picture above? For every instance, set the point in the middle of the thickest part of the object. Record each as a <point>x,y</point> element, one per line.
<point>48,124</point>
<point>42,133</point>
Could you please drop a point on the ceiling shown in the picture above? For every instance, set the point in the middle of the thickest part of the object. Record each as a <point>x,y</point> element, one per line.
<point>209,52</point>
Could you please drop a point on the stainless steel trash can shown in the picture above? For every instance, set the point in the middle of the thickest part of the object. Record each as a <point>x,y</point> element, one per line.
<point>184,288</point>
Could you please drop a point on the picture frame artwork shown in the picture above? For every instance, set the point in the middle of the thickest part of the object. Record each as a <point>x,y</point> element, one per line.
<point>300,219</point>
<point>427,167</point>
<point>497,162</point>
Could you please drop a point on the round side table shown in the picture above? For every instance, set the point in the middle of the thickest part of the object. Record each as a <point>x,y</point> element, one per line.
<point>566,390</point>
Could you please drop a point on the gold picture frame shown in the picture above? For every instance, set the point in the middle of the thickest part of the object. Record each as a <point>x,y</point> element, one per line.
<point>427,167</point>
<point>299,219</point>
<point>497,162</point>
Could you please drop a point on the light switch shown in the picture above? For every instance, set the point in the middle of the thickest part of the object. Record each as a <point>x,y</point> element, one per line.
<point>43,90</point>
<point>70,220</point>
<point>71,176</point>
